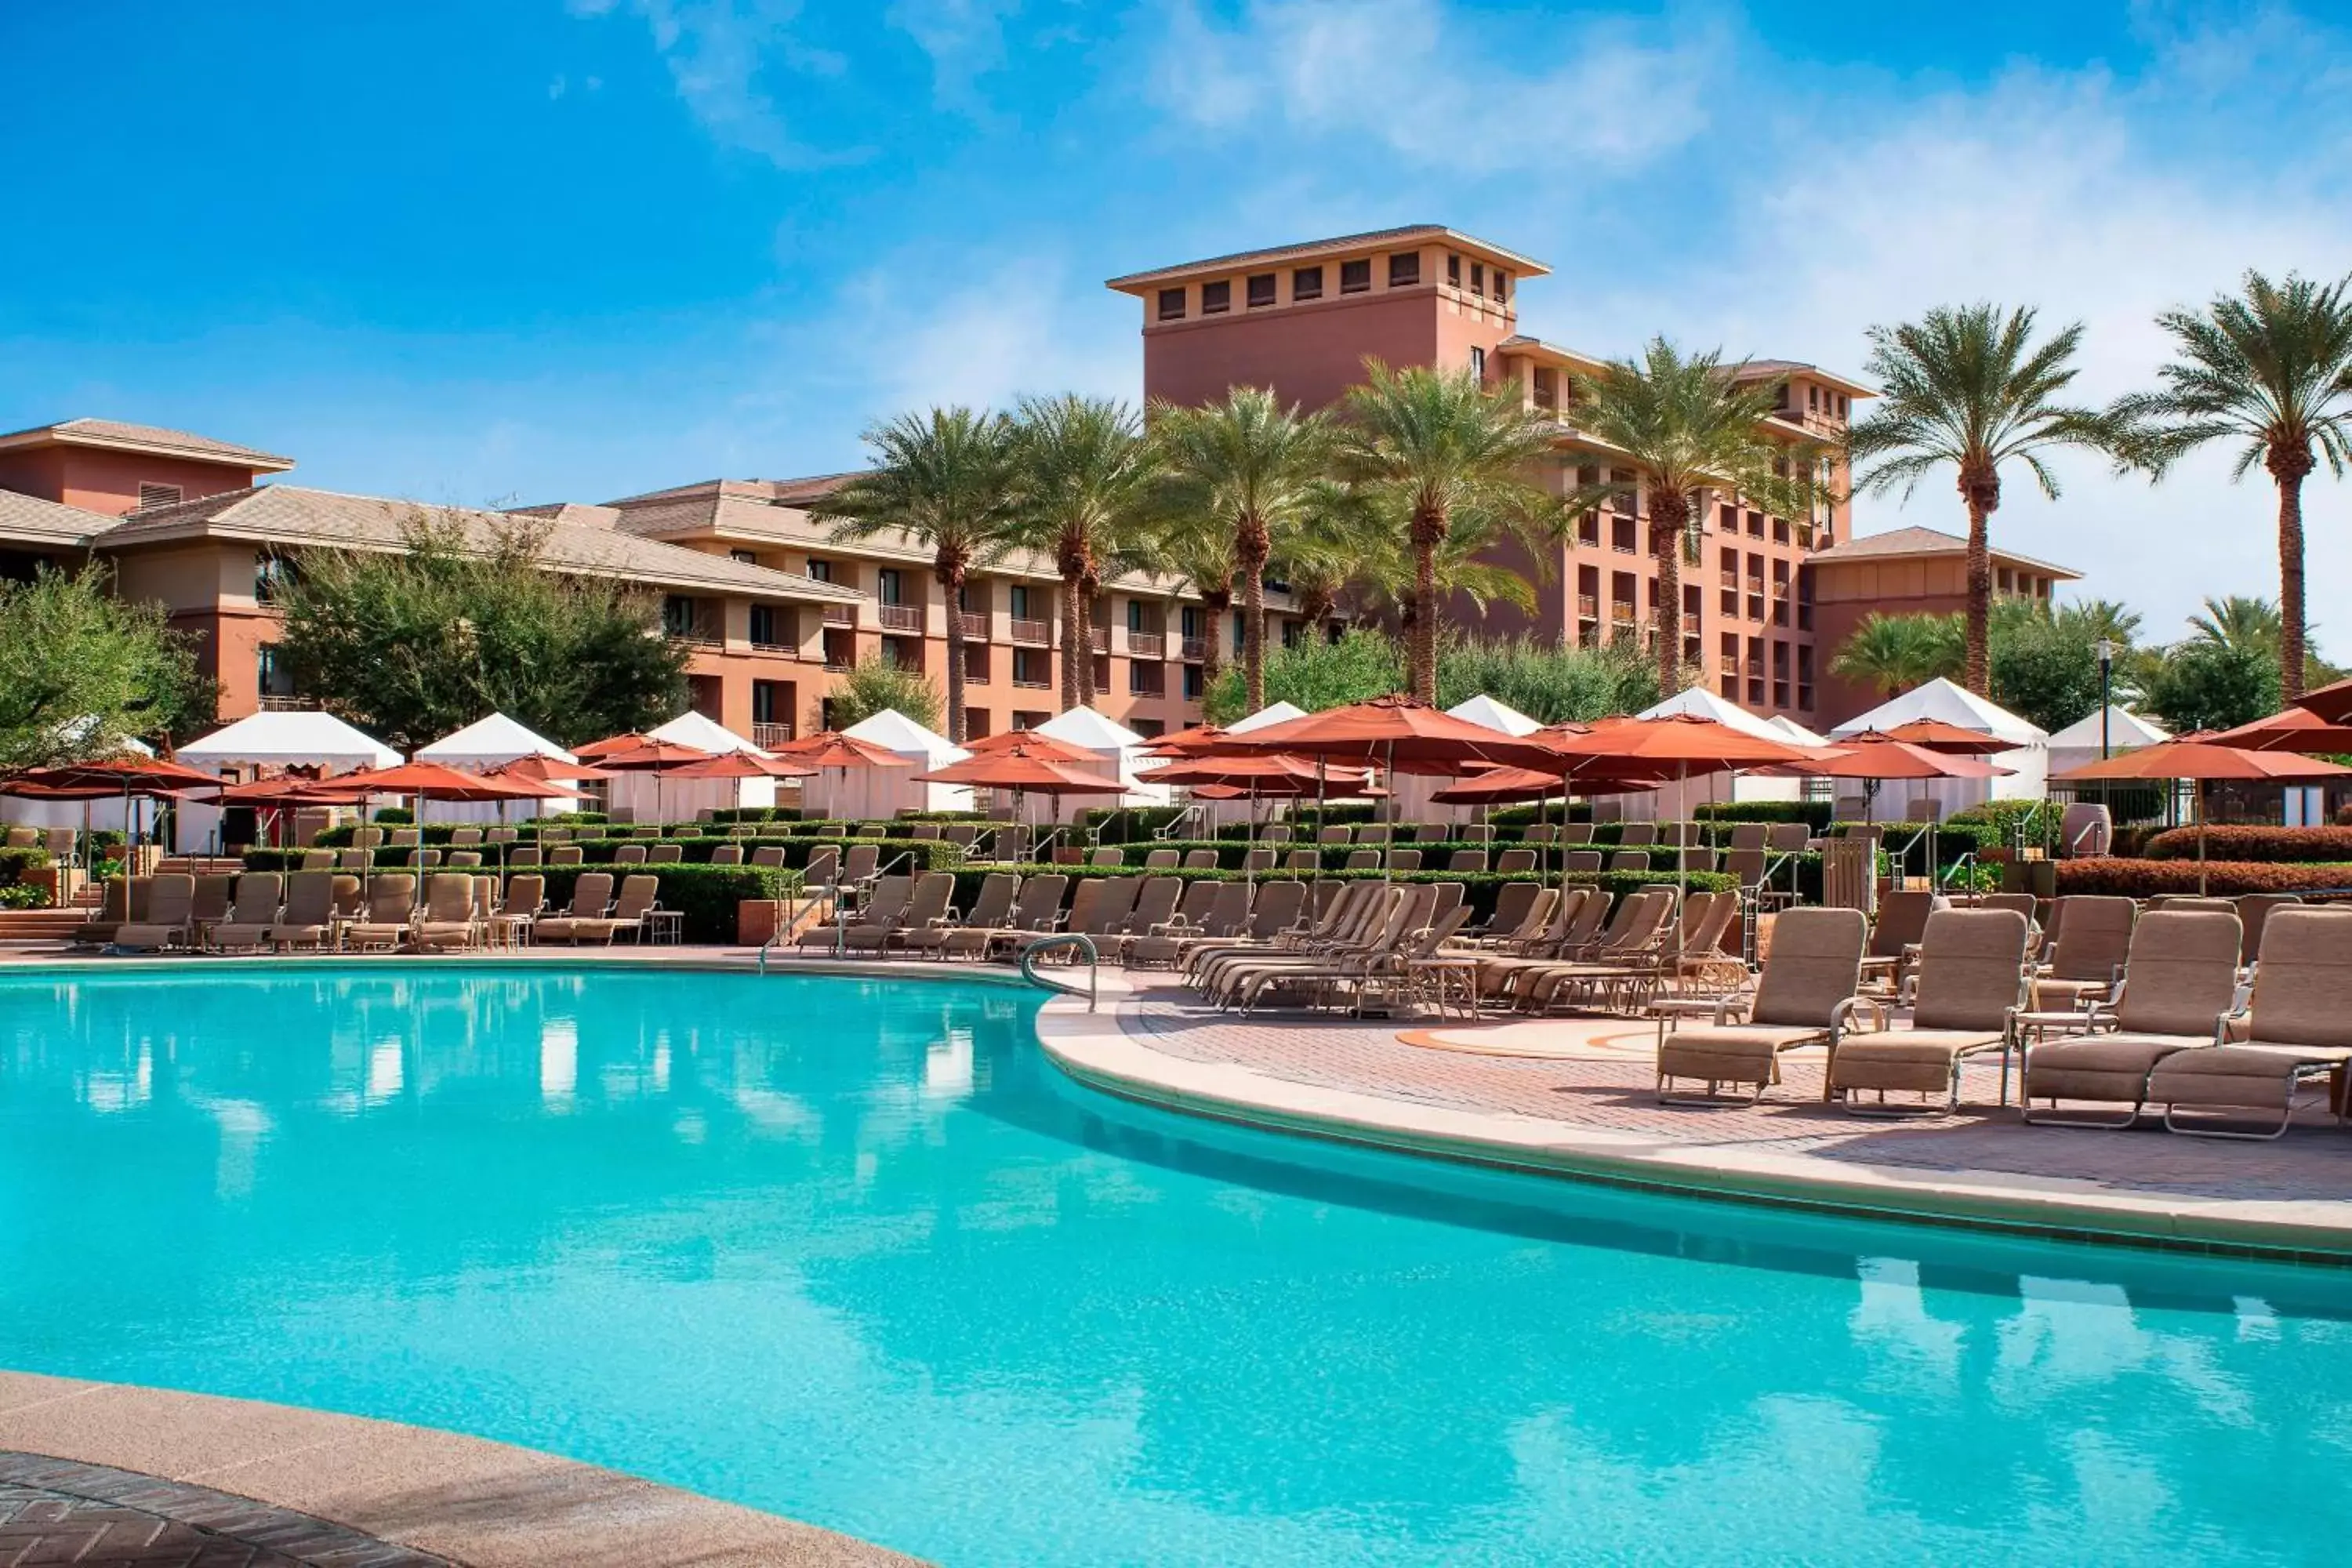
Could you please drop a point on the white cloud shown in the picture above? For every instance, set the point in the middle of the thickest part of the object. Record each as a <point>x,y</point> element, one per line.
<point>1021,327</point>
<point>720,53</point>
<point>964,38</point>
<point>1418,80</point>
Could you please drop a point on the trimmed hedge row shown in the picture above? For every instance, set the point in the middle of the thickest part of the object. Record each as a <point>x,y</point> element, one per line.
<point>706,896</point>
<point>929,853</point>
<point>2298,844</point>
<point>2141,878</point>
<point>1814,813</point>
<point>1479,889</point>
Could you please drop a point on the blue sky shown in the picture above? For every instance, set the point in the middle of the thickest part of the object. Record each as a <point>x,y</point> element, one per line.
<point>532,249</point>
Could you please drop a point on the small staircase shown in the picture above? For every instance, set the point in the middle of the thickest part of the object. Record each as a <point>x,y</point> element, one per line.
<point>40,925</point>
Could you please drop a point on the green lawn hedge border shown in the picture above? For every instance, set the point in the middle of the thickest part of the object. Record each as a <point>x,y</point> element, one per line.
<point>2223,879</point>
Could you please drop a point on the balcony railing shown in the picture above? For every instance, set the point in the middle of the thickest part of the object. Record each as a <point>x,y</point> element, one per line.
<point>1588,606</point>
<point>1192,648</point>
<point>1148,644</point>
<point>900,617</point>
<point>1037,632</point>
<point>841,615</point>
<point>1032,685</point>
<point>695,639</point>
<point>286,702</point>
<point>975,626</point>
<point>768,735</point>
<point>776,650</point>
<point>1100,638</point>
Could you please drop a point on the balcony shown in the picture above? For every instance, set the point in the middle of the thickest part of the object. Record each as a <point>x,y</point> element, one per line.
<point>900,617</point>
<point>699,640</point>
<point>1193,649</point>
<point>286,702</point>
<point>1038,633</point>
<point>776,650</point>
<point>1098,637</point>
<point>769,736</point>
<point>1148,644</point>
<point>975,626</point>
<point>1022,684</point>
<point>841,615</point>
<point>1588,606</point>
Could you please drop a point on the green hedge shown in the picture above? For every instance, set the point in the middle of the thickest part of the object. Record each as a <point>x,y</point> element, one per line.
<point>2223,879</point>
<point>929,854</point>
<point>14,863</point>
<point>1128,824</point>
<point>706,895</point>
<point>757,814</point>
<point>2298,844</point>
<point>1813,814</point>
<point>1479,889</point>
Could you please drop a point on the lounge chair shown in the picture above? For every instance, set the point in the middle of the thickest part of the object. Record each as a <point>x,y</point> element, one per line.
<point>726,855</point>
<point>1539,833</point>
<point>1109,857</point>
<point>1036,912</point>
<point>968,932</point>
<point>1161,860</point>
<point>169,920</point>
<point>1155,906</point>
<point>884,905</point>
<point>1968,991</point>
<point>252,913</point>
<point>926,906</point>
<point>1626,962</point>
<point>1468,860</point>
<point>2180,979</point>
<point>640,896</point>
<point>1895,935</point>
<point>2298,1028</point>
<point>1397,913</point>
<point>592,900</point>
<point>1204,966</point>
<point>307,918</point>
<point>391,911</point>
<point>669,854</point>
<point>1583,860</point>
<point>450,918</point>
<point>1200,860</point>
<point>2088,956</point>
<point>123,898</point>
<point>630,854</point>
<point>1809,975</point>
<point>214,891</point>
<point>1276,909</point>
<point>1210,911</point>
<point>1521,911</point>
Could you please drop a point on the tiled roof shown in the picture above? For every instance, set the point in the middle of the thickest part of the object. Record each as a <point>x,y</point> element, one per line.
<point>1377,238</point>
<point>114,433</point>
<point>29,520</point>
<point>1900,542</point>
<point>289,514</point>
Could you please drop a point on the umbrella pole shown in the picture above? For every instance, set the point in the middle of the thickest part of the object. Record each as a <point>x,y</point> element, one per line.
<point>2199,807</point>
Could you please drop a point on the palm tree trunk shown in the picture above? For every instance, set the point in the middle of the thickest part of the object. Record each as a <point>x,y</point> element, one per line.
<point>1074,638</point>
<point>2289,467</point>
<point>1428,533</point>
<point>1669,515</point>
<point>1212,622</point>
<point>1980,488</point>
<point>952,581</point>
<point>1253,543</point>
<point>1089,585</point>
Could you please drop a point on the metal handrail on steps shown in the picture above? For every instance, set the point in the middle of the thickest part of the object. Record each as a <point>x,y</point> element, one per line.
<point>1060,939</point>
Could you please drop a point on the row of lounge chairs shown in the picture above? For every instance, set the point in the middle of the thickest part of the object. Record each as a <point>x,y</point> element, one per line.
<point>2225,1048</point>
<point>337,912</point>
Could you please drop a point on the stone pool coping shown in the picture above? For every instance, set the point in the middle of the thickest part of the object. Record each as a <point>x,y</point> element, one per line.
<point>293,1478</point>
<point>1096,1049</point>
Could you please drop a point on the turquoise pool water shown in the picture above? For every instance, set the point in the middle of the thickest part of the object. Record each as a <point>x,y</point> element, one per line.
<point>854,1253</point>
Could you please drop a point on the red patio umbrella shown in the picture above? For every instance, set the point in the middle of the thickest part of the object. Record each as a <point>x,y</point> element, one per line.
<point>2200,760</point>
<point>542,770</point>
<point>147,778</point>
<point>831,749</point>
<point>1018,769</point>
<point>644,754</point>
<point>2295,729</point>
<point>743,766</point>
<point>1187,743</point>
<point>2331,703</point>
<point>1035,744</point>
<point>1935,735</point>
<point>1389,733</point>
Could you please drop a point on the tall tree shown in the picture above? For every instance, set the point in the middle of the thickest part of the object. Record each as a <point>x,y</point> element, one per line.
<point>1892,654</point>
<point>1195,552</point>
<point>2270,372</point>
<point>1086,481</point>
<point>1968,386</point>
<point>2239,621</point>
<point>82,671</point>
<point>466,620</point>
<point>1251,465</point>
<point>943,482</point>
<point>1444,447</point>
<point>1679,427</point>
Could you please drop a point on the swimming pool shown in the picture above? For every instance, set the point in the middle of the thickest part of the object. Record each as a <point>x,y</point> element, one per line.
<point>852,1251</point>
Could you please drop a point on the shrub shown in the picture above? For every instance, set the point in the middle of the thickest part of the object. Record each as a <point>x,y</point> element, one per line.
<point>2248,843</point>
<point>14,863</point>
<point>2141,878</point>
<point>1130,823</point>
<point>1813,814</point>
<point>927,854</point>
<point>22,895</point>
<point>394,815</point>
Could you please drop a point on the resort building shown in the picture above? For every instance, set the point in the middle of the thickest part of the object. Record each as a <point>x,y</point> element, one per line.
<point>1303,317</point>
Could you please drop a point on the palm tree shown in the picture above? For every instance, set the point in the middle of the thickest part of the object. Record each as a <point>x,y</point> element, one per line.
<point>2098,620</point>
<point>1250,466</point>
<point>1085,479</point>
<point>1677,427</point>
<point>1443,447</point>
<point>1388,568</point>
<point>945,482</point>
<point>1195,551</point>
<point>2270,372</point>
<point>1892,654</point>
<point>2239,622</point>
<point>1968,386</point>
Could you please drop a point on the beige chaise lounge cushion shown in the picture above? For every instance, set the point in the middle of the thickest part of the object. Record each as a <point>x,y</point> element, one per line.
<point>1815,965</point>
<point>2301,1019</point>
<point>2182,978</point>
<point>1970,965</point>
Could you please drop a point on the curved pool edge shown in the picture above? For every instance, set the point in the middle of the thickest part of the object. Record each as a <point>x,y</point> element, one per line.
<point>1094,1049</point>
<point>463,1500</point>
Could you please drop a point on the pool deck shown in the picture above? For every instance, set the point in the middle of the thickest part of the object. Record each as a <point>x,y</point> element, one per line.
<point>102,1474</point>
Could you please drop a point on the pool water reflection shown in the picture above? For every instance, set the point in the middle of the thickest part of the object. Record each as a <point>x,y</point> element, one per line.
<point>852,1252</point>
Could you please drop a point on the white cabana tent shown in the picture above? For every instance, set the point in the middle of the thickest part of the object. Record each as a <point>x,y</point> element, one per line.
<point>702,733</point>
<point>1119,752</point>
<point>2028,758</point>
<point>1676,801</point>
<point>274,740</point>
<point>1794,732</point>
<point>1410,793</point>
<point>635,790</point>
<point>1271,714</point>
<point>885,792</point>
<point>2078,744</point>
<point>488,743</point>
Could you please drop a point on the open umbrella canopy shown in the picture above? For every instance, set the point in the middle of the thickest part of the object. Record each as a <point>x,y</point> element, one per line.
<point>633,741</point>
<point>1672,742</point>
<point>2201,760</point>
<point>433,781</point>
<point>2295,729</point>
<point>831,749</point>
<point>1935,735</point>
<point>1391,731</point>
<point>2331,703</point>
<point>1189,742</point>
<point>653,757</point>
<point>1016,768</point>
<point>1872,755</point>
<point>1037,743</point>
<point>1502,786</point>
<point>140,775</point>
<point>1273,774</point>
<point>542,770</point>
<point>743,766</point>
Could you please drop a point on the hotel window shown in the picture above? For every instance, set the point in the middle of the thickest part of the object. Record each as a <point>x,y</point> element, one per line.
<point>1307,283</point>
<point>1404,270</point>
<point>1135,615</point>
<point>273,678</point>
<point>1754,525</point>
<point>890,586</point>
<point>1621,534</point>
<point>1588,529</point>
<point>1261,291</point>
<point>1842,404</point>
<point>1545,387</point>
<point>1017,598</point>
<point>1193,683</point>
<point>157,495</point>
<point>1355,277</point>
<point>747,557</point>
<point>1479,362</point>
<point>820,571</point>
<point>1454,270</point>
<point>764,632</point>
<point>1629,499</point>
<point>1171,304</point>
<point>1814,399</point>
<point>1478,277</point>
<point>1779,530</point>
<point>1216,299</point>
<point>272,576</point>
<point>677,615</point>
<point>1502,285</point>
<point>764,703</point>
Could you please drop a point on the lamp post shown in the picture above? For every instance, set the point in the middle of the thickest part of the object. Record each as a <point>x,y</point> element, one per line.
<point>2106,690</point>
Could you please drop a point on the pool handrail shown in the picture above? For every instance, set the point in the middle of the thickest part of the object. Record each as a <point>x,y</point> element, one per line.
<point>1061,939</point>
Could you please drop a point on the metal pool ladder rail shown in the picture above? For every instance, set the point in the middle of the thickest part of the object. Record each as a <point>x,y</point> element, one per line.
<point>1064,939</point>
